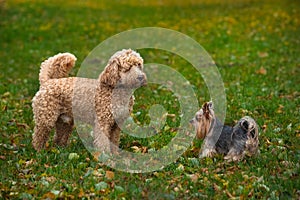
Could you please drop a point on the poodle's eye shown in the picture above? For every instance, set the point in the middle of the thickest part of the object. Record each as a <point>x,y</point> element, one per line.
<point>139,65</point>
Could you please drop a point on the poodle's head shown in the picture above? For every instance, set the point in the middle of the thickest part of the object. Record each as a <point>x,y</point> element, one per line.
<point>124,69</point>
<point>203,119</point>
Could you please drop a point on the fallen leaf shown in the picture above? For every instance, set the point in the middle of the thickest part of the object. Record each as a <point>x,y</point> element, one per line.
<point>48,195</point>
<point>194,177</point>
<point>263,54</point>
<point>144,149</point>
<point>261,71</point>
<point>96,155</point>
<point>250,194</point>
<point>50,179</point>
<point>81,193</point>
<point>22,125</point>
<point>109,174</point>
<point>280,109</point>
<point>180,167</point>
<point>29,162</point>
<point>264,127</point>
<point>136,149</point>
<point>204,170</point>
<point>176,189</point>
<point>229,194</point>
<point>216,187</point>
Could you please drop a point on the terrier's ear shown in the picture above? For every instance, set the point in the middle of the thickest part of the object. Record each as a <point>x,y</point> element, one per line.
<point>110,76</point>
<point>210,105</point>
<point>205,109</point>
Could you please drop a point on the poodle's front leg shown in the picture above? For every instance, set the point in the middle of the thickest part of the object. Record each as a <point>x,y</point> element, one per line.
<point>115,139</point>
<point>102,134</point>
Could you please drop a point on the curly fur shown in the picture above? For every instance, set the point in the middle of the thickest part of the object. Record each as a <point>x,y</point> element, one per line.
<point>91,100</point>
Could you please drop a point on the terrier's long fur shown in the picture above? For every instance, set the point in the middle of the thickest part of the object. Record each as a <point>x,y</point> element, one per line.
<point>233,142</point>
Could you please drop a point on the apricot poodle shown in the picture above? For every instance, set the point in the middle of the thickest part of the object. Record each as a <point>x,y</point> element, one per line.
<point>104,102</point>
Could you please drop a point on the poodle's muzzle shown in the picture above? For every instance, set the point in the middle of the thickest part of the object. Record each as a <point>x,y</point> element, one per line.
<point>142,79</point>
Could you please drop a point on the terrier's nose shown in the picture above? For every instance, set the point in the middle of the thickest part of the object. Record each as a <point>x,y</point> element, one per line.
<point>191,121</point>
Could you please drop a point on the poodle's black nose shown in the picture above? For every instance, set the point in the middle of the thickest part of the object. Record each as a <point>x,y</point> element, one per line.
<point>141,77</point>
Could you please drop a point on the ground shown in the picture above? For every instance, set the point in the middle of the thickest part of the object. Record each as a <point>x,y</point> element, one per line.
<point>256,46</point>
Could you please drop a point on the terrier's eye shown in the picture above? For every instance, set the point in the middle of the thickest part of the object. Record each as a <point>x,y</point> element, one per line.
<point>252,133</point>
<point>198,117</point>
<point>245,124</point>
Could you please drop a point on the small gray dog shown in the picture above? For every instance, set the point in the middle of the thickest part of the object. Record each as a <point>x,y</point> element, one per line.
<point>234,142</point>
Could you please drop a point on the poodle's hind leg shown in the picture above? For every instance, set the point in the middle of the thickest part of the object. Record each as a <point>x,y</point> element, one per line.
<point>45,116</point>
<point>64,127</point>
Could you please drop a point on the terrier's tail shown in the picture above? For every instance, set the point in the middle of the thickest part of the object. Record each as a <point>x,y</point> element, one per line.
<point>57,66</point>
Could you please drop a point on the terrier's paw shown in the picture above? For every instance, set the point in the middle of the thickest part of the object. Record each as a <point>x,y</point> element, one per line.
<point>233,157</point>
<point>207,153</point>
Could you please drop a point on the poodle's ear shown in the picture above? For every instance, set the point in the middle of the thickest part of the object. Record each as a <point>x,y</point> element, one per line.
<point>110,75</point>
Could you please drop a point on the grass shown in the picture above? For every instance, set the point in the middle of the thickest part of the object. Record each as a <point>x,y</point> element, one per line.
<point>256,47</point>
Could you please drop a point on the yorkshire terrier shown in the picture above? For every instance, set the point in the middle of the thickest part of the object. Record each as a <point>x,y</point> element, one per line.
<point>233,142</point>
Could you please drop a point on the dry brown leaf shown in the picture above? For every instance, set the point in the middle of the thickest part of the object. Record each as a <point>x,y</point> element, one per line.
<point>261,71</point>
<point>194,177</point>
<point>48,195</point>
<point>264,127</point>
<point>216,187</point>
<point>136,149</point>
<point>263,54</point>
<point>109,174</point>
<point>81,193</point>
<point>280,109</point>
<point>22,125</point>
<point>50,179</point>
<point>229,194</point>
<point>96,155</point>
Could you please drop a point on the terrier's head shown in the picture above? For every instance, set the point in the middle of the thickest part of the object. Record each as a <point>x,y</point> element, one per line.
<point>250,128</point>
<point>203,119</point>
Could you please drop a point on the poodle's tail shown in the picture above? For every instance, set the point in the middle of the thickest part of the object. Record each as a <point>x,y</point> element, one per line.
<point>57,66</point>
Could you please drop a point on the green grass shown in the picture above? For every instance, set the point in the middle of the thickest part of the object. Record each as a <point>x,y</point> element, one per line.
<point>256,46</point>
